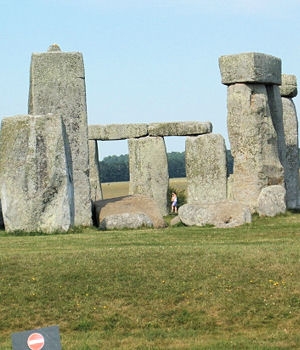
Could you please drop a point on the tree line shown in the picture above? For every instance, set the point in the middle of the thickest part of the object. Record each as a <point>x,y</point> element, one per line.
<point>116,168</point>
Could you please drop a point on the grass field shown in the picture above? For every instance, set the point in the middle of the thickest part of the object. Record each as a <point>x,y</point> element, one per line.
<point>174,288</point>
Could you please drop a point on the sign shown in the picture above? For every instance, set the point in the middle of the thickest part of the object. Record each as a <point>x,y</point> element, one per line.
<point>37,339</point>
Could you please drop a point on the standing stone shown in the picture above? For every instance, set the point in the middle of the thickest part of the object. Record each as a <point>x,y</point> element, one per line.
<point>253,142</point>
<point>96,189</point>
<point>288,89</point>
<point>148,168</point>
<point>205,157</point>
<point>36,185</point>
<point>255,124</point>
<point>57,85</point>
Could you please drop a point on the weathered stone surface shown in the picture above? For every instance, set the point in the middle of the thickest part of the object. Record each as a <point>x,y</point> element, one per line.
<point>57,85</point>
<point>250,67</point>
<point>117,131</point>
<point>253,142</point>
<point>291,176</point>
<point>125,220</point>
<point>271,201</point>
<point>36,182</point>
<point>148,168</point>
<point>205,158</point>
<point>179,128</point>
<point>288,87</point>
<point>96,189</point>
<point>220,214</point>
<point>129,205</point>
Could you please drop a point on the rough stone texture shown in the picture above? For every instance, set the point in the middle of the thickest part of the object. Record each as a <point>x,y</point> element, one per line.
<point>288,87</point>
<point>271,201</point>
<point>129,205</point>
<point>253,142</point>
<point>205,158</point>
<point>117,131</point>
<point>220,214</point>
<point>291,176</point>
<point>148,167</point>
<point>96,190</point>
<point>250,67</point>
<point>125,220</point>
<point>57,85</point>
<point>179,128</point>
<point>36,183</point>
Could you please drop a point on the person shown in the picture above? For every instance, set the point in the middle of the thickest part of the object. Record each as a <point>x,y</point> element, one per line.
<point>174,203</point>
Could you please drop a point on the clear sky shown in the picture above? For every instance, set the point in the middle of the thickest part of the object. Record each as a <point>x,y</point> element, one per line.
<point>146,60</point>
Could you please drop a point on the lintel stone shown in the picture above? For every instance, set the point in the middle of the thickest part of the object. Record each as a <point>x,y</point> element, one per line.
<point>117,131</point>
<point>179,128</point>
<point>251,67</point>
<point>288,87</point>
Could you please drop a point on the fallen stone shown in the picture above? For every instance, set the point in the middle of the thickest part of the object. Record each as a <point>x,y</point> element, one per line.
<point>220,214</point>
<point>271,201</point>
<point>129,205</point>
<point>250,67</point>
<point>125,220</point>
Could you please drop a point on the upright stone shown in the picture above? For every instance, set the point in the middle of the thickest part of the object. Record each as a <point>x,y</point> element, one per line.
<point>288,89</point>
<point>96,189</point>
<point>57,85</point>
<point>205,157</point>
<point>36,183</point>
<point>255,125</point>
<point>149,169</point>
<point>253,142</point>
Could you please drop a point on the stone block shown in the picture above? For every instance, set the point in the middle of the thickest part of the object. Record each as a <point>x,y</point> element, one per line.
<point>57,85</point>
<point>288,87</point>
<point>250,67</point>
<point>179,128</point>
<point>36,178</point>
<point>148,167</point>
<point>117,131</point>
<point>206,170</point>
<point>271,201</point>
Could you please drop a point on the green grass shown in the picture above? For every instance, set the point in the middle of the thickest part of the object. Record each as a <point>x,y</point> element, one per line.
<point>175,288</point>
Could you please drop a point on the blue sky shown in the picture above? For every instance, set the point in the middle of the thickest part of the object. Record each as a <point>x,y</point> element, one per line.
<point>146,60</point>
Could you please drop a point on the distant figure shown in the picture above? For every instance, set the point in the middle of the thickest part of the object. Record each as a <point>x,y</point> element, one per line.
<point>174,203</point>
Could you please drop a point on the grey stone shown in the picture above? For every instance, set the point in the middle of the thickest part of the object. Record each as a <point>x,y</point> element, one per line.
<point>206,170</point>
<point>291,176</point>
<point>128,205</point>
<point>271,201</point>
<point>288,87</point>
<point>179,128</point>
<point>220,214</point>
<point>125,220</point>
<point>117,131</point>
<point>57,85</point>
<point>36,182</point>
<point>253,142</point>
<point>148,167</point>
<point>251,67</point>
<point>95,183</point>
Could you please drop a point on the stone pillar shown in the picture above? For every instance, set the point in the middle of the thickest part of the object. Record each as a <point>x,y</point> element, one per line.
<point>288,90</point>
<point>96,190</point>
<point>255,126</point>
<point>57,85</point>
<point>148,168</point>
<point>36,183</point>
<point>205,158</point>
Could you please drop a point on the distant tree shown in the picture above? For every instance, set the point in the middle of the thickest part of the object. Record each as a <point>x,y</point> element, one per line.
<point>229,162</point>
<point>176,164</point>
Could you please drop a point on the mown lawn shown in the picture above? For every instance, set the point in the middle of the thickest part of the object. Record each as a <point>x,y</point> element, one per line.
<point>176,288</point>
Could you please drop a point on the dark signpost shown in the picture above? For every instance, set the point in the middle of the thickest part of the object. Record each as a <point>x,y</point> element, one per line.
<point>38,339</point>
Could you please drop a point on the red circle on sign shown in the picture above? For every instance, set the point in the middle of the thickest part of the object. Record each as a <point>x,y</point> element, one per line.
<point>35,341</point>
